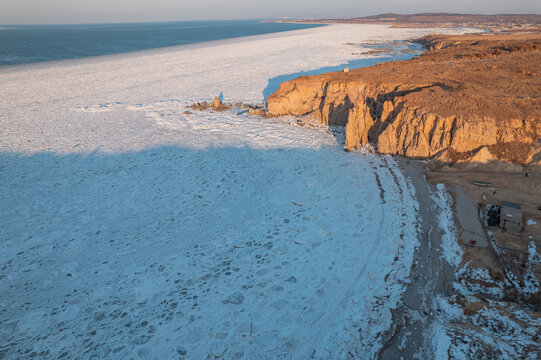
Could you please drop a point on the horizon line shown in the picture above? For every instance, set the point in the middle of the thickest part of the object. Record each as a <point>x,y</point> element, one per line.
<point>277,18</point>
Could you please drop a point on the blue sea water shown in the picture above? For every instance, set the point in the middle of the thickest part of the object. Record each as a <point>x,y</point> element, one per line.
<point>35,43</point>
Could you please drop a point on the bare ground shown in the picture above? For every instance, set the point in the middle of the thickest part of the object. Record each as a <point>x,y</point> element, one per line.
<point>431,275</point>
<point>477,299</point>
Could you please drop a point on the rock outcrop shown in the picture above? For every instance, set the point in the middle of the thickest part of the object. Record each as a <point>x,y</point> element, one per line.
<point>466,99</point>
<point>216,105</point>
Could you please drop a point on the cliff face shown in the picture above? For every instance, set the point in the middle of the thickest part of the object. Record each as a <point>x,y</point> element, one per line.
<point>430,106</point>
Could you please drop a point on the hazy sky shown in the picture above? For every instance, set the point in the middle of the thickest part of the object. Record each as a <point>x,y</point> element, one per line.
<point>83,11</point>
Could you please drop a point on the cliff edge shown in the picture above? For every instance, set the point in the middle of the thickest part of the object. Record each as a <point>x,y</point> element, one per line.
<point>470,98</point>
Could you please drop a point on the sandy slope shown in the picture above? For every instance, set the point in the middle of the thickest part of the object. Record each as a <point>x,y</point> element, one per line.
<point>132,230</point>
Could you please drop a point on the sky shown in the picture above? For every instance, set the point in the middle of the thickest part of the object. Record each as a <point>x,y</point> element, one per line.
<point>92,11</point>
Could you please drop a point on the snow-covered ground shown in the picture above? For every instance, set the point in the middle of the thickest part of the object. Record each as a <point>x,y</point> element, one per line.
<point>499,329</point>
<point>132,230</point>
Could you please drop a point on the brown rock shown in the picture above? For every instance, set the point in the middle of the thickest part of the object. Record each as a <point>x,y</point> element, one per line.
<point>256,111</point>
<point>448,103</point>
<point>471,308</point>
<point>216,104</point>
<point>497,273</point>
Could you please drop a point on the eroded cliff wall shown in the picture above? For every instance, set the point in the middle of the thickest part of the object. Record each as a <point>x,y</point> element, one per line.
<point>431,106</point>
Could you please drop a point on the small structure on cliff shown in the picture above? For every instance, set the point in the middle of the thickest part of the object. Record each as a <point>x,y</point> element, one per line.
<point>511,217</point>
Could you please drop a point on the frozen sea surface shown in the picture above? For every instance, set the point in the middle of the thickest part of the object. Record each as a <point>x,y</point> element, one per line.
<point>132,230</point>
<point>23,44</point>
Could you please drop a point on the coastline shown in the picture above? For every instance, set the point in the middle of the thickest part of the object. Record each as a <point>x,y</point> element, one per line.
<point>129,145</point>
<point>492,275</point>
<point>494,22</point>
<point>293,239</point>
<point>23,45</point>
<point>431,276</point>
<point>210,44</point>
<point>146,52</point>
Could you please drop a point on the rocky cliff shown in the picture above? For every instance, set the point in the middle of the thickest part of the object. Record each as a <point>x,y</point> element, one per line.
<point>471,98</point>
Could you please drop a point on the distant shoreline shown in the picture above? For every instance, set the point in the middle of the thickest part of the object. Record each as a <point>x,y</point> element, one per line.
<point>498,22</point>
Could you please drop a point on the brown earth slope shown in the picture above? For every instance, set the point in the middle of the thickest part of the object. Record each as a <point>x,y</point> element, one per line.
<point>470,97</point>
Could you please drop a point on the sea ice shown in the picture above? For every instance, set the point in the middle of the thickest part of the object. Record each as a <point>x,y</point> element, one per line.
<point>132,230</point>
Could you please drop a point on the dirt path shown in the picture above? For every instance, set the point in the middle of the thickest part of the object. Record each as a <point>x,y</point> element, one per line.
<point>431,275</point>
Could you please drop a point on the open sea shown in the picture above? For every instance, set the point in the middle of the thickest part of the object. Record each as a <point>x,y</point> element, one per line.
<point>35,43</point>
